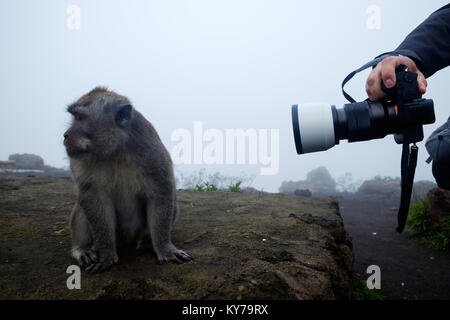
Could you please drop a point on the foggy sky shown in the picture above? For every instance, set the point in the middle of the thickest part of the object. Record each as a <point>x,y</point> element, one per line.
<point>230,64</point>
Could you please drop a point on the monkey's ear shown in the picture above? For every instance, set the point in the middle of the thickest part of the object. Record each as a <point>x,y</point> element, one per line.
<point>123,114</point>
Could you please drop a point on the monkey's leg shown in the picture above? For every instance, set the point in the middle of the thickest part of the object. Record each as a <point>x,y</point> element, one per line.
<point>81,238</point>
<point>160,213</point>
<point>144,242</point>
<point>100,213</point>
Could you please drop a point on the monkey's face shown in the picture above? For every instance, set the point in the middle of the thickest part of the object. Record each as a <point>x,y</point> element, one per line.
<point>99,128</point>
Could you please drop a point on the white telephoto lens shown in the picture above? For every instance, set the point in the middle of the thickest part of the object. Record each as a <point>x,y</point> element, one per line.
<point>315,127</point>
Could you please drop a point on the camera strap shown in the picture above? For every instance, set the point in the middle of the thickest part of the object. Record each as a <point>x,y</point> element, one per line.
<point>369,64</point>
<point>409,155</point>
<point>408,169</point>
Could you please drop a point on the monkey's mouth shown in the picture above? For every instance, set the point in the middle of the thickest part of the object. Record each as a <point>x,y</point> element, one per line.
<point>76,148</point>
<point>74,152</point>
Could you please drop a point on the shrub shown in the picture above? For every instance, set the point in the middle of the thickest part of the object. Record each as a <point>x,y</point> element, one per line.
<point>235,187</point>
<point>205,187</point>
<point>216,181</point>
<point>419,215</point>
<point>363,293</point>
<point>419,221</point>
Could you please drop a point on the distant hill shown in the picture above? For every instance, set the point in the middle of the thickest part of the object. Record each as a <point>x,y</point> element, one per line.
<point>318,181</point>
<point>391,187</point>
<point>28,164</point>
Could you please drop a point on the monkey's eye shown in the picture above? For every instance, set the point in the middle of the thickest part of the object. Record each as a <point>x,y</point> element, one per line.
<point>77,116</point>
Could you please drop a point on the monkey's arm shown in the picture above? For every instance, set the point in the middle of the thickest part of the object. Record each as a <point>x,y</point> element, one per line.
<point>100,213</point>
<point>160,213</point>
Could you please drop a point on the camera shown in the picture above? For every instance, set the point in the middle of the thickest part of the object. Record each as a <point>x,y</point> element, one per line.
<point>318,127</point>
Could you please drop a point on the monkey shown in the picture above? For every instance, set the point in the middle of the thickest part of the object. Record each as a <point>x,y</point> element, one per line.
<point>126,191</point>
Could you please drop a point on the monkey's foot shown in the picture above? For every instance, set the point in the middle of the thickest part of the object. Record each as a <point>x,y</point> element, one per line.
<point>171,253</point>
<point>84,257</point>
<point>105,261</point>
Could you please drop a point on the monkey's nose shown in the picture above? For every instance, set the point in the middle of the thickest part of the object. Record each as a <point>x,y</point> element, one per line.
<point>65,135</point>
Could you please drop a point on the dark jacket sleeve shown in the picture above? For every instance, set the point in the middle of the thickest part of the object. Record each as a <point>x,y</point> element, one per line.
<point>429,44</point>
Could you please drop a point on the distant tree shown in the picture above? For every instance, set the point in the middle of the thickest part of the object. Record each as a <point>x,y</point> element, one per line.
<point>345,183</point>
<point>27,161</point>
<point>378,185</point>
<point>318,181</point>
<point>322,181</point>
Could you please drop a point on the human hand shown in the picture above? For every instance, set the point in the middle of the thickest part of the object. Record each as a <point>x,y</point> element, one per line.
<point>385,71</point>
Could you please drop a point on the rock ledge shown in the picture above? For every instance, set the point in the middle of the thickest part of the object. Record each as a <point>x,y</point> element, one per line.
<point>245,246</point>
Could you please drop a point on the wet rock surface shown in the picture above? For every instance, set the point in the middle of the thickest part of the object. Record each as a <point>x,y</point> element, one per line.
<point>245,246</point>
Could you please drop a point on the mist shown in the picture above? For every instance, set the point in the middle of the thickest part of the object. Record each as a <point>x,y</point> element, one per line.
<point>226,64</point>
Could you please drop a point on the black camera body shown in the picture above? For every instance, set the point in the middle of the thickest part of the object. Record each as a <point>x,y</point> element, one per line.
<point>403,114</point>
<point>414,111</point>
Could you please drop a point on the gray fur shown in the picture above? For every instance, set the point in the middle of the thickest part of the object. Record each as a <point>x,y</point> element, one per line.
<point>125,179</point>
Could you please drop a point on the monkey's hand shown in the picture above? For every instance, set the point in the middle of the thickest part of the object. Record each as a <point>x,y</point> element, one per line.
<point>105,259</point>
<point>171,253</point>
<point>85,257</point>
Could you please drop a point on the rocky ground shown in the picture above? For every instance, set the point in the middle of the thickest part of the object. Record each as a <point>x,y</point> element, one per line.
<point>245,246</point>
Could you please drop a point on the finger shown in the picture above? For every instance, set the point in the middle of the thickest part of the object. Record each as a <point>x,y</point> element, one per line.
<point>411,65</point>
<point>183,255</point>
<point>408,62</point>
<point>422,82</point>
<point>104,266</point>
<point>388,66</point>
<point>373,86</point>
<point>93,268</point>
<point>98,267</point>
<point>92,256</point>
<point>86,261</point>
<point>90,267</point>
